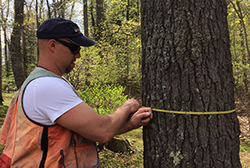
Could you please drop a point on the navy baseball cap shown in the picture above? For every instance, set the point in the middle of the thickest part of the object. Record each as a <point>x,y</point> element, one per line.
<point>62,28</point>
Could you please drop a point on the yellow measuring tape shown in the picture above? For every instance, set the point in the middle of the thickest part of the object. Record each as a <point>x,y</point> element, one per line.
<point>194,113</point>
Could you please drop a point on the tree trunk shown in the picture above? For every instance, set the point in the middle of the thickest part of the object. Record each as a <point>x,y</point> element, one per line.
<point>62,8</point>
<point>24,53</point>
<point>127,90</point>
<point>127,10</point>
<point>1,96</point>
<point>99,18</point>
<point>15,48</point>
<point>85,18</point>
<point>72,10</point>
<point>6,53</point>
<point>186,66</point>
<point>4,26</point>
<point>54,8</point>
<point>92,17</point>
<point>48,6</point>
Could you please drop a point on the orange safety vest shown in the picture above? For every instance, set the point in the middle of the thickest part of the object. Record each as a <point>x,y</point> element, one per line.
<point>30,144</point>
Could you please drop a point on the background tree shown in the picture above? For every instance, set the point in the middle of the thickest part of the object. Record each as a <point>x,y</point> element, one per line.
<point>4,16</point>
<point>48,6</point>
<point>85,18</point>
<point>1,97</point>
<point>15,46</point>
<point>186,66</point>
<point>99,19</point>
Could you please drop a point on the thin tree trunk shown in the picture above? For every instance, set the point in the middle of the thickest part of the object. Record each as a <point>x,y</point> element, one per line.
<point>62,8</point>
<point>92,18</point>
<point>72,10</point>
<point>127,91</point>
<point>6,53</point>
<point>85,18</point>
<point>1,96</point>
<point>49,11</point>
<point>24,53</point>
<point>99,18</point>
<point>127,10</point>
<point>54,9</point>
<point>186,66</point>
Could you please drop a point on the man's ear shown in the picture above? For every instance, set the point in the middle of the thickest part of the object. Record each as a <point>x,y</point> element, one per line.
<point>52,45</point>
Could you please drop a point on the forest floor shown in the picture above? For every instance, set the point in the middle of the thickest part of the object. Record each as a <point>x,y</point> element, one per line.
<point>245,139</point>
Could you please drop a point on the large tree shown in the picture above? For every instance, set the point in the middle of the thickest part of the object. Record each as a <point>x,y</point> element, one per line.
<point>186,66</point>
<point>15,46</point>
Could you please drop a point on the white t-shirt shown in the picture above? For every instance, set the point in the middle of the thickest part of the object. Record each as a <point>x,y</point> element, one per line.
<point>47,98</point>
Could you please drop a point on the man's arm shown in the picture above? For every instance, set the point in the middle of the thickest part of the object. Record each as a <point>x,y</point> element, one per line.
<point>140,118</point>
<point>83,120</point>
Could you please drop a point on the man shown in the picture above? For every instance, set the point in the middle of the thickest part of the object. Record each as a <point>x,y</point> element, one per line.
<point>47,124</point>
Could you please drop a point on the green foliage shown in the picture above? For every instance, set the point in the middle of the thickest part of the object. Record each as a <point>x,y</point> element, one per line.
<point>31,44</point>
<point>8,82</point>
<point>103,97</point>
<point>107,63</point>
<point>240,57</point>
<point>101,65</point>
<point>245,146</point>
<point>241,72</point>
<point>96,65</point>
<point>120,45</point>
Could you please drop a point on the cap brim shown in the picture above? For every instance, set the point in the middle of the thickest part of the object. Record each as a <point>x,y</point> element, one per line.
<point>82,41</point>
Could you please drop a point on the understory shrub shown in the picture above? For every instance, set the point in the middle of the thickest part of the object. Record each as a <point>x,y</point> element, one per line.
<point>104,98</point>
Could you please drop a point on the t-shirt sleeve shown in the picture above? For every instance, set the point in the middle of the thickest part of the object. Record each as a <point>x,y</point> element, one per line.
<point>52,97</point>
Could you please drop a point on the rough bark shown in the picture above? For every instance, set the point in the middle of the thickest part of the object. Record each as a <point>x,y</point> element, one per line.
<point>15,46</point>
<point>186,66</point>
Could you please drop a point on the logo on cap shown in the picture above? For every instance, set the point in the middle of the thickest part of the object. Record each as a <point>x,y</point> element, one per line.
<point>76,28</point>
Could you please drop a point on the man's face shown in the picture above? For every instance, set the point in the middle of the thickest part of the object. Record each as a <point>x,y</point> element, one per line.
<point>70,67</point>
<point>71,53</point>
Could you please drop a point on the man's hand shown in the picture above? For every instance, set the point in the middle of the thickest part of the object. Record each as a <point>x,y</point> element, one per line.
<point>141,118</point>
<point>132,105</point>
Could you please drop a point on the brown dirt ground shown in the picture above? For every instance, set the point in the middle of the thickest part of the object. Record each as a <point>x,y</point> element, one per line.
<point>244,136</point>
<point>244,126</point>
